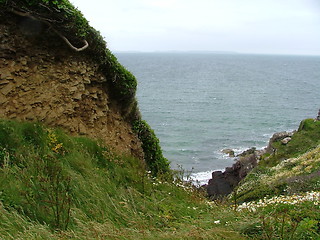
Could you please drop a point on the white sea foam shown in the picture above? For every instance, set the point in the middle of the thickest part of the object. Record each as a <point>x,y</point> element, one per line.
<point>237,150</point>
<point>267,135</point>
<point>201,178</point>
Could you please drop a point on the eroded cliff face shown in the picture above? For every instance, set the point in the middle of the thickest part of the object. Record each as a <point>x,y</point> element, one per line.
<point>42,79</point>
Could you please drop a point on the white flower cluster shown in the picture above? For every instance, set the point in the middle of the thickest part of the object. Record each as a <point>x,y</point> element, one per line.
<point>187,186</point>
<point>305,164</point>
<point>292,167</point>
<point>291,200</point>
<point>184,185</point>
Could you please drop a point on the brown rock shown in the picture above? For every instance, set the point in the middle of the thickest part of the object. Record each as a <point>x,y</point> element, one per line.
<point>229,151</point>
<point>5,89</point>
<point>48,82</point>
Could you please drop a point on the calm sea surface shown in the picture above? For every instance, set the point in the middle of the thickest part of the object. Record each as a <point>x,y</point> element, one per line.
<point>199,104</point>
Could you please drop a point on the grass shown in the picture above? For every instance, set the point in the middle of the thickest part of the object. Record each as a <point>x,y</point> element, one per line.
<point>306,138</point>
<point>292,169</point>
<point>54,186</point>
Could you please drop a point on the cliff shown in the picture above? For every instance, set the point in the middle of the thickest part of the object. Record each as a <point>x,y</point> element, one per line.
<point>56,69</point>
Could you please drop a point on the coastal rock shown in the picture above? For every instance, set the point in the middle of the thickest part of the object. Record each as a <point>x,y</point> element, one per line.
<point>218,185</point>
<point>286,140</point>
<point>222,183</point>
<point>247,152</point>
<point>277,137</point>
<point>228,151</point>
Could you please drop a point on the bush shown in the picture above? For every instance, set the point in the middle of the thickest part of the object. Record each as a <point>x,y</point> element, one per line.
<point>156,162</point>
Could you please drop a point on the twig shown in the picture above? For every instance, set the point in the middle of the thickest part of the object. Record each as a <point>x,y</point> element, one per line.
<point>86,44</point>
<point>26,14</point>
<point>42,5</point>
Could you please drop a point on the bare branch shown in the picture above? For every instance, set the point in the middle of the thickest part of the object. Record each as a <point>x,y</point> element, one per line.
<point>86,44</point>
<point>26,14</point>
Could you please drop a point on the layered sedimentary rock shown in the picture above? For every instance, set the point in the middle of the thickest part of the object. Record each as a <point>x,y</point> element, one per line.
<point>43,80</point>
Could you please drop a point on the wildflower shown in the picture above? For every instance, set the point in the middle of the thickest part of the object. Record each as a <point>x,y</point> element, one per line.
<point>290,200</point>
<point>216,222</point>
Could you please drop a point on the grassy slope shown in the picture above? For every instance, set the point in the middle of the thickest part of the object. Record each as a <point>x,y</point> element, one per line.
<point>53,186</point>
<point>292,169</point>
<point>50,181</point>
<point>284,189</point>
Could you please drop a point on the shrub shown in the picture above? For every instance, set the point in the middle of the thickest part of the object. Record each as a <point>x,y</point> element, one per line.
<point>156,162</point>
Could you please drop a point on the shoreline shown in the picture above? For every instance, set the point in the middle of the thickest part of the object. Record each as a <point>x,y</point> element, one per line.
<point>202,177</point>
<point>222,182</point>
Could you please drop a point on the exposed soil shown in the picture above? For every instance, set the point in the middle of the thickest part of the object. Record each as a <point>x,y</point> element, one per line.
<point>42,79</point>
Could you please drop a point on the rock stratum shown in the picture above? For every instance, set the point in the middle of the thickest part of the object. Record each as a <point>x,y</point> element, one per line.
<point>43,80</point>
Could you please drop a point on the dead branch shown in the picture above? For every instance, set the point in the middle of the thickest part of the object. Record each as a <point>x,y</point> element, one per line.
<point>26,14</point>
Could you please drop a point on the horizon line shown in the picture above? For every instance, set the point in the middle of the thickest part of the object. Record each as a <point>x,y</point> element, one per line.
<point>215,52</point>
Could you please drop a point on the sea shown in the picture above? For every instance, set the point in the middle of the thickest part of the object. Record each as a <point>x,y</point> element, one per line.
<point>201,103</point>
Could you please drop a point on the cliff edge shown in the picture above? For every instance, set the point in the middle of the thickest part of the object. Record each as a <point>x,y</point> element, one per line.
<point>56,69</point>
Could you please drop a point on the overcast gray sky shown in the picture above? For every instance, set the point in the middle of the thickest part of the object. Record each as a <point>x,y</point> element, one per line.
<point>246,26</point>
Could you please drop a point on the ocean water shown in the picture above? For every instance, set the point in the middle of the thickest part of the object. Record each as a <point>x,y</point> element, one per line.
<point>201,103</point>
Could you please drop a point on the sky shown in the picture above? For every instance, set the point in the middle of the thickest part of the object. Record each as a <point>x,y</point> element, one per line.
<point>244,26</point>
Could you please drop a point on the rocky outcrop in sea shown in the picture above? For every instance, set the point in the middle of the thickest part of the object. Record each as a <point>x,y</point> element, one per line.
<point>222,183</point>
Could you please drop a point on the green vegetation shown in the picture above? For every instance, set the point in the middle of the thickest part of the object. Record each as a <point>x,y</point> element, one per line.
<point>69,22</point>
<point>306,138</point>
<point>53,186</point>
<point>283,190</point>
<point>151,148</point>
<point>284,217</point>
<point>293,168</point>
<point>62,14</point>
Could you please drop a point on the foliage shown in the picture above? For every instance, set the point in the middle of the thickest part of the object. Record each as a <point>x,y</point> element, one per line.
<point>284,217</point>
<point>291,176</point>
<point>127,87</point>
<point>156,162</point>
<point>61,13</point>
<point>292,169</point>
<point>51,181</point>
<point>306,138</point>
